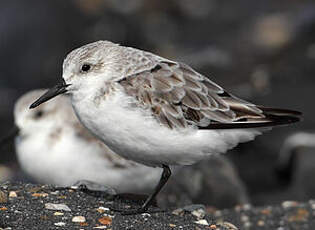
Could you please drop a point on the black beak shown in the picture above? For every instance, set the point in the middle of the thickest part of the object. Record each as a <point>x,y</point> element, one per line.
<point>51,93</point>
<point>10,136</point>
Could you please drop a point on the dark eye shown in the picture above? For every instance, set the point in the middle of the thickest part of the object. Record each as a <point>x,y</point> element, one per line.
<point>39,114</point>
<point>85,67</point>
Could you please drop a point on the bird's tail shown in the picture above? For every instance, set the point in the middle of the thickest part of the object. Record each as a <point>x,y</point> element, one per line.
<point>277,116</point>
<point>272,117</point>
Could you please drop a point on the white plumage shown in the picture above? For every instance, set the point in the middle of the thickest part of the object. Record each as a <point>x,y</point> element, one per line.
<point>53,147</point>
<point>136,135</point>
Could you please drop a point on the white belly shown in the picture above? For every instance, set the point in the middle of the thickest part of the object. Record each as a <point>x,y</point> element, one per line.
<point>136,135</point>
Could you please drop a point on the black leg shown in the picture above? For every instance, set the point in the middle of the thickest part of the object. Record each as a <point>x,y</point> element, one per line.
<point>164,178</point>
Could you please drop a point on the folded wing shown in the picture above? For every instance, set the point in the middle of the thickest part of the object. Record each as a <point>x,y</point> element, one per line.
<point>178,97</point>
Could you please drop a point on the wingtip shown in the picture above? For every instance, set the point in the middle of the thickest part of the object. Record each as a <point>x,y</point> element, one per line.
<point>289,119</point>
<point>280,112</point>
<point>273,117</point>
<point>282,116</point>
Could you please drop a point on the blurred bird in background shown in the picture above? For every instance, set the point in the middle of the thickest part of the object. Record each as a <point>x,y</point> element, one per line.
<point>54,148</point>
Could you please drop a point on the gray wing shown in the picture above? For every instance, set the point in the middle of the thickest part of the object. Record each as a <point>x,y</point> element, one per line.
<point>178,96</point>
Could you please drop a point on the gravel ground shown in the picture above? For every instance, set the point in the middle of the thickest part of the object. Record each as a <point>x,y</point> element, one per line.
<point>27,206</point>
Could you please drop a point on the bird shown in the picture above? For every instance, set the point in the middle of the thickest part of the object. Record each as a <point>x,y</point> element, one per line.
<point>289,155</point>
<point>156,111</point>
<point>53,147</point>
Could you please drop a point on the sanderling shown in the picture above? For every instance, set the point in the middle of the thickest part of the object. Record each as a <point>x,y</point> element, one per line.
<point>156,111</point>
<point>53,147</point>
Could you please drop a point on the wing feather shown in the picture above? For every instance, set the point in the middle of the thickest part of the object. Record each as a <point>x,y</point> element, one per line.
<point>179,96</point>
<point>191,100</point>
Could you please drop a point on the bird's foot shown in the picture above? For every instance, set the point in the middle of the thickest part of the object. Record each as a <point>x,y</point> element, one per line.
<point>141,210</point>
<point>86,186</point>
<point>125,212</point>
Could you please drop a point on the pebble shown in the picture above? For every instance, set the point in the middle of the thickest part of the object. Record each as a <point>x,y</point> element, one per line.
<point>145,215</point>
<point>244,218</point>
<point>197,210</point>
<point>247,207</point>
<point>106,220</point>
<point>59,207</point>
<point>3,198</point>
<point>40,194</point>
<point>202,222</point>
<point>54,193</point>
<point>178,211</point>
<point>102,209</point>
<point>60,224</point>
<point>200,213</point>
<point>266,211</point>
<point>260,223</point>
<point>78,219</point>
<point>289,204</point>
<point>247,225</point>
<point>58,214</point>
<point>12,194</point>
<point>229,225</point>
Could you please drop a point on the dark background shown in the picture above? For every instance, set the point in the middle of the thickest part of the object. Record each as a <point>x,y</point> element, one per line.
<point>262,51</point>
